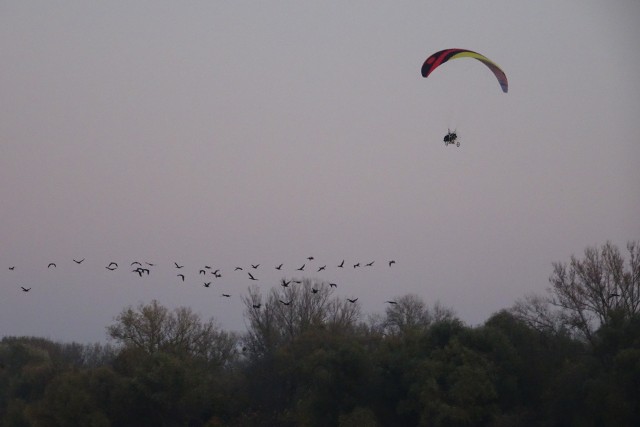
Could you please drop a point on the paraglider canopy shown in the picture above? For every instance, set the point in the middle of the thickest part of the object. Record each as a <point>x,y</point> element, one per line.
<point>438,58</point>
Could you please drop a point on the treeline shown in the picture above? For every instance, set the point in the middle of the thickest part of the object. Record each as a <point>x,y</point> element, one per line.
<point>308,358</point>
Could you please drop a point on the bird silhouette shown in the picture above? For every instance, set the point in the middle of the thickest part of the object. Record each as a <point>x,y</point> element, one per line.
<point>140,271</point>
<point>322,268</point>
<point>370,264</point>
<point>333,285</point>
<point>352,301</point>
<point>297,282</point>
<point>391,302</point>
<point>286,302</point>
<point>251,276</point>
<point>178,265</point>
<point>257,305</point>
<point>301,268</point>
<point>237,268</point>
<point>149,264</point>
<point>285,284</point>
<point>203,272</point>
<point>356,265</point>
<point>391,263</point>
<point>52,264</point>
<point>181,276</point>
<point>314,290</point>
<point>110,268</point>
<point>279,267</point>
<point>226,295</point>
<point>208,267</point>
<point>13,267</point>
<point>613,295</point>
<point>216,272</point>
<point>207,284</point>
<point>341,265</point>
<point>25,289</point>
<point>255,267</point>
<point>136,262</point>
<point>78,261</point>
<point>310,258</point>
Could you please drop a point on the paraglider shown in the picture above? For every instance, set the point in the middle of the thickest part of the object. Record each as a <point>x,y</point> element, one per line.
<point>451,138</point>
<point>439,58</point>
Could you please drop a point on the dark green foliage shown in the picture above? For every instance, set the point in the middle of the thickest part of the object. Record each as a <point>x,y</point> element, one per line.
<point>502,373</point>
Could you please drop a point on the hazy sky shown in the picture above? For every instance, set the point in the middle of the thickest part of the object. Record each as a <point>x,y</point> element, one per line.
<point>226,133</point>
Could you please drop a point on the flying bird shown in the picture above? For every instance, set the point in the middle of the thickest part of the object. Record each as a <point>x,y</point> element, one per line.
<point>333,285</point>
<point>178,266</point>
<point>203,272</point>
<point>257,305</point>
<point>13,267</point>
<point>226,295</point>
<point>251,276</point>
<point>255,266</point>
<point>314,290</point>
<point>356,265</point>
<point>237,268</point>
<point>391,302</point>
<point>352,301</point>
<point>285,284</point>
<point>279,267</point>
<point>181,276</point>
<point>310,258</point>
<point>286,303</point>
<point>341,265</point>
<point>136,262</point>
<point>110,268</point>
<point>78,261</point>
<point>25,289</point>
<point>370,264</point>
<point>51,264</point>
<point>207,284</point>
<point>141,270</point>
<point>391,263</point>
<point>301,268</point>
<point>322,268</point>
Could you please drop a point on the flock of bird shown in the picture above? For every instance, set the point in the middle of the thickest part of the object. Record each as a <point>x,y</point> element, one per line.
<point>207,273</point>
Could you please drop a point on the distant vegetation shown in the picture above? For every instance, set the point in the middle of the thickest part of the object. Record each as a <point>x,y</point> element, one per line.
<point>567,358</point>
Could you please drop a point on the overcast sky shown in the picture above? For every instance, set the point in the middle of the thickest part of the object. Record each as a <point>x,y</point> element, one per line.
<point>226,133</point>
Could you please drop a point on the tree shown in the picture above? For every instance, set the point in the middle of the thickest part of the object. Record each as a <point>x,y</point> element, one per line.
<point>76,398</point>
<point>288,331</point>
<point>410,313</point>
<point>288,312</point>
<point>153,328</point>
<point>595,298</point>
<point>587,293</point>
